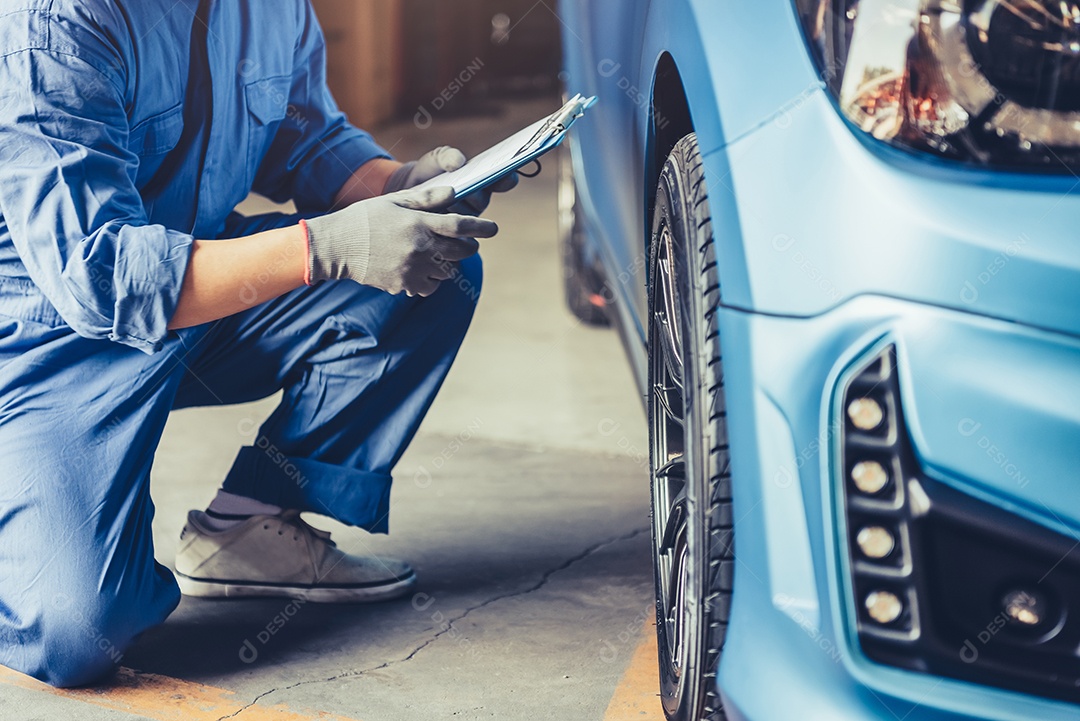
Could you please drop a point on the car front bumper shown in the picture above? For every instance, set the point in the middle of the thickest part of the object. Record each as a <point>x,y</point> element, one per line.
<point>992,409</point>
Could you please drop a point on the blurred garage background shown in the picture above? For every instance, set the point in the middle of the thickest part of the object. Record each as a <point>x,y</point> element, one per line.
<point>395,58</point>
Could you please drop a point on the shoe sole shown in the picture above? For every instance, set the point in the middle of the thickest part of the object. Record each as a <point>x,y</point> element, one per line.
<point>202,588</point>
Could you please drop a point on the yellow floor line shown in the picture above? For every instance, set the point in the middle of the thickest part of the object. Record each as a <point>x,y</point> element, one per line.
<point>637,697</point>
<point>162,698</point>
<point>166,699</point>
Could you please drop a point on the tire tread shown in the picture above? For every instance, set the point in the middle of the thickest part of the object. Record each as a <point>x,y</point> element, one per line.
<point>685,170</point>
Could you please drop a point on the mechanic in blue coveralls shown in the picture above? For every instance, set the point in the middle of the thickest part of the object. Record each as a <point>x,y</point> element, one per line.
<point>129,130</point>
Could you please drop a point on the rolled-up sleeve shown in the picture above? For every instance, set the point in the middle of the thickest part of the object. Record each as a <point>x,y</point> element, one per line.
<point>316,150</point>
<point>68,197</point>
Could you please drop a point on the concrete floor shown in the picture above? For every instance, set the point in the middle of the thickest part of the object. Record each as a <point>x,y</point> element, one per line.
<point>525,522</point>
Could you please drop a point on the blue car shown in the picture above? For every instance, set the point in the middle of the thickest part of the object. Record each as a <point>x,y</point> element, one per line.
<point>841,242</point>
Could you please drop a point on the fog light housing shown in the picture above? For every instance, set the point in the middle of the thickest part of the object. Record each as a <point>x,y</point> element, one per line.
<point>942,582</point>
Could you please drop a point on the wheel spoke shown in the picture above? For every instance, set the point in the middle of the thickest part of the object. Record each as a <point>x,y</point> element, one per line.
<point>667,284</point>
<point>666,314</point>
<point>675,524</point>
<point>672,361</point>
<point>675,615</point>
<point>674,468</point>
<point>670,399</point>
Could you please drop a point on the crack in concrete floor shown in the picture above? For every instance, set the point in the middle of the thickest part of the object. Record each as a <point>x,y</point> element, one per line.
<point>449,624</point>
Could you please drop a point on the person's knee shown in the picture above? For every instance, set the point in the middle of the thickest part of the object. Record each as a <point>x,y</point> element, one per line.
<point>81,634</point>
<point>77,666</point>
<point>82,640</point>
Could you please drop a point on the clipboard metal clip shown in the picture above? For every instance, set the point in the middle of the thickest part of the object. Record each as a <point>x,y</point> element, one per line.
<point>559,122</point>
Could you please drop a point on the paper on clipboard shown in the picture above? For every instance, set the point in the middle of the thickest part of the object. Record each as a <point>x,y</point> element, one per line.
<point>515,152</point>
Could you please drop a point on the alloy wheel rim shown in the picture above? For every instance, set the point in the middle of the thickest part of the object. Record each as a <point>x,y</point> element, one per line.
<point>668,454</point>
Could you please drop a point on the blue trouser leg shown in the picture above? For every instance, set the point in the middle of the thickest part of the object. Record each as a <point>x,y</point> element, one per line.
<point>359,369</point>
<point>80,421</point>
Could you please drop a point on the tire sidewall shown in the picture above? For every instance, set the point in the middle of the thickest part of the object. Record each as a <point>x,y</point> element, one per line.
<point>675,207</point>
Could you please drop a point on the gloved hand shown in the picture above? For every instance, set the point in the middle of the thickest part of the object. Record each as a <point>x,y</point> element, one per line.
<point>398,242</point>
<point>443,160</point>
<point>440,160</point>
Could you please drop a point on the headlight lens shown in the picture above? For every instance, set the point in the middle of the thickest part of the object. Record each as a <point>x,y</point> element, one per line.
<point>984,82</point>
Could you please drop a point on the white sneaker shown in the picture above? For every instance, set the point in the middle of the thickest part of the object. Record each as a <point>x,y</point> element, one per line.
<point>281,555</point>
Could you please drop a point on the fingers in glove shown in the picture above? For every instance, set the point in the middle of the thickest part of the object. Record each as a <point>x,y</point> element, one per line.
<point>455,249</point>
<point>422,287</point>
<point>460,226</point>
<point>477,202</point>
<point>473,204</point>
<point>432,199</point>
<point>443,269</point>
<point>505,183</point>
<point>446,158</point>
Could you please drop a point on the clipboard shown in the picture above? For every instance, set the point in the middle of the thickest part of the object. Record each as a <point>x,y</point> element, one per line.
<point>517,151</point>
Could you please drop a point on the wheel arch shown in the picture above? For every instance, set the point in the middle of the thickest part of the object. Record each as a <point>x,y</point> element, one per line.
<point>684,100</point>
<point>669,121</point>
<point>678,71</point>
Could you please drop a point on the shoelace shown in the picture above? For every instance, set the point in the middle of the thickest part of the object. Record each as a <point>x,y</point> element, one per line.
<point>292,518</point>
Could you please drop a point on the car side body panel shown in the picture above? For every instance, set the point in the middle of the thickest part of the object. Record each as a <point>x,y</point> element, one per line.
<point>615,57</point>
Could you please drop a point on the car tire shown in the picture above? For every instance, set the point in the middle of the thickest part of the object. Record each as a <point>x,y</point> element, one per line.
<point>693,534</point>
<point>583,282</point>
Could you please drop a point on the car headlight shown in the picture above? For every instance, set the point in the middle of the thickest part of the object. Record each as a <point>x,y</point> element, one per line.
<point>985,82</point>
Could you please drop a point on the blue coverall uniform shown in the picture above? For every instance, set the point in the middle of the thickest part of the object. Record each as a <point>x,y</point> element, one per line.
<point>128,128</point>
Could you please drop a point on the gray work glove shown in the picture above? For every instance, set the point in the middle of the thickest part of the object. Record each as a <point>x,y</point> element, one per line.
<point>443,160</point>
<point>394,242</point>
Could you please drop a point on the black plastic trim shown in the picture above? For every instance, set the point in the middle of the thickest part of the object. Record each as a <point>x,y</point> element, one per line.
<point>956,559</point>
